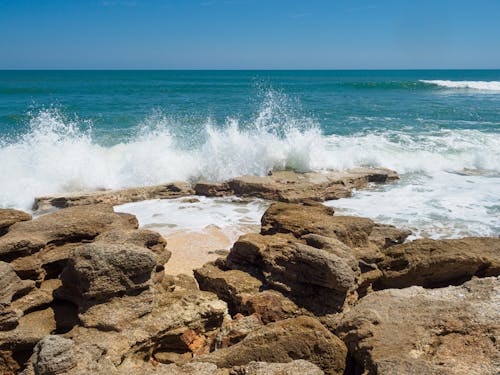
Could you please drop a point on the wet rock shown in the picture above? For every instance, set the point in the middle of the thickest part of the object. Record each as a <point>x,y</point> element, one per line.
<point>72,225</point>
<point>437,263</point>
<point>114,197</point>
<point>289,186</point>
<point>9,217</point>
<point>451,330</point>
<point>100,271</point>
<point>284,341</point>
<point>297,367</point>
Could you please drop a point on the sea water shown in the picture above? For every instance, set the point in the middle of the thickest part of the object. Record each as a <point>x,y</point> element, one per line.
<point>65,131</point>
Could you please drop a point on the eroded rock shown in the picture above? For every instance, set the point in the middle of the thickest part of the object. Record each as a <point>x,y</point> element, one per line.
<point>453,330</point>
<point>284,341</point>
<point>9,217</point>
<point>437,263</point>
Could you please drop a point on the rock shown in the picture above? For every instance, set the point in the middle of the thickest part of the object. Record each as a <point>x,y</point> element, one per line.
<point>233,331</point>
<point>9,217</point>
<point>436,263</point>
<point>178,322</point>
<point>284,341</point>
<point>297,367</point>
<point>179,282</point>
<point>17,344</point>
<point>38,297</point>
<point>100,271</point>
<point>270,306</point>
<point>11,285</point>
<point>114,197</point>
<point>52,355</point>
<point>452,330</point>
<point>140,237</point>
<point>289,186</point>
<point>319,280</point>
<point>363,235</point>
<point>71,225</point>
<point>230,285</point>
<point>213,189</point>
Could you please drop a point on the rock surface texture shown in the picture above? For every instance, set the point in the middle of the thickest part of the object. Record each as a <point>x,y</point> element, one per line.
<point>83,291</point>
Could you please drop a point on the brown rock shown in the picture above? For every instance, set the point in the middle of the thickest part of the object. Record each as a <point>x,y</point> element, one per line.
<point>437,263</point>
<point>233,331</point>
<point>70,225</point>
<point>9,217</point>
<point>270,306</point>
<point>363,235</point>
<point>298,367</point>
<point>230,285</point>
<point>284,341</point>
<point>289,186</point>
<point>11,285</point>
<point>451,330</point>
<point>100,271</point>
<point>319,280</point>
<point>114,197</point>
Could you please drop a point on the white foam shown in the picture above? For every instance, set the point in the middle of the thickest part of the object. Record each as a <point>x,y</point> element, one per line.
<point>441,205</point>
<point>234,216</point>
<point>475,85</point>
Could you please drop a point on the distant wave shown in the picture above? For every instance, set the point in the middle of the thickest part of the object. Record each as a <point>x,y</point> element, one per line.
<point>475,85</point>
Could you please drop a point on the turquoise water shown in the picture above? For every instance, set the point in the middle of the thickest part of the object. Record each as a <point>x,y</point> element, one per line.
<point>63,131</point>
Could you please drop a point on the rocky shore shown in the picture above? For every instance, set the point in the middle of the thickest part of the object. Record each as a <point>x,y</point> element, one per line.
<point>83,290</point>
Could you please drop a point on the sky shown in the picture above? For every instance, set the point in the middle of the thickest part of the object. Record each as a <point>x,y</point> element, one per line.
<point>249,34</point>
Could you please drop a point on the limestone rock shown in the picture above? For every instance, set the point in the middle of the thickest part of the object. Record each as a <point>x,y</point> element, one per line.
<point>320,279</point>
<point>70,225</point>
<point>297,367</point>
<point>233,331</point>
<point>284,341</point>
<point>230,285</point>
<point>289,186</point>
<point>100,271</point>
<point>114,197</point>
<point>10,284</point>
<point>365,237</point>
<point>453,330</point>
<point>9,217</point>
<point>435,263</point>
<point>52,355</point>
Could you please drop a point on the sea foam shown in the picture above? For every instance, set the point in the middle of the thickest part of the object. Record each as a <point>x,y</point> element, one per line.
<point>475,85</point>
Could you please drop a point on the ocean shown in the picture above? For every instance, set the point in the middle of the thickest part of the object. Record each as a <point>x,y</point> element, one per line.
<point>66,131</point>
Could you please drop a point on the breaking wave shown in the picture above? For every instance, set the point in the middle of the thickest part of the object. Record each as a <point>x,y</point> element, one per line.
<point>60,154</point>
<point>475,85</point>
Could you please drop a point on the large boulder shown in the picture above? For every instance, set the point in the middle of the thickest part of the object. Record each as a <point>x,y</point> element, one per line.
<point>453,330</point>
<point>284,341</point>
<point>317,279</point>
<point>437,263</point>
<point>9,217</point>
<point>100,271</point>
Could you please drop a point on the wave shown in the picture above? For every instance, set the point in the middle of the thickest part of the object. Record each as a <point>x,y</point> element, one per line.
<point>59,154</point>
<point>475,85</point>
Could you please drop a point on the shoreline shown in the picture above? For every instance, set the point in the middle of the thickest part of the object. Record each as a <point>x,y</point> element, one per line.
<point>87,288</point>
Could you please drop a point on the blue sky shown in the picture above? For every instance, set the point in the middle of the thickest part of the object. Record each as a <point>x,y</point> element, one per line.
<point>249,34</point>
